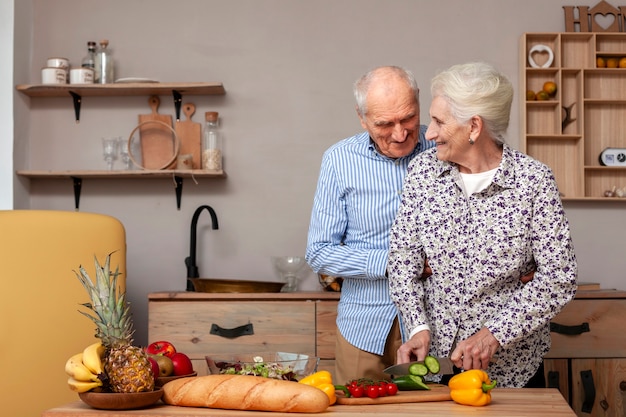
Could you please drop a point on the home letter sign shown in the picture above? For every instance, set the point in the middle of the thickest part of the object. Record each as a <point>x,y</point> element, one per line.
<point>601,18</point>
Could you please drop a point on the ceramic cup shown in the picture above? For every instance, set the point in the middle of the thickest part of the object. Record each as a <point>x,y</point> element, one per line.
<point>58,63</point>
<point>81,76</point>
<point>53,75</point>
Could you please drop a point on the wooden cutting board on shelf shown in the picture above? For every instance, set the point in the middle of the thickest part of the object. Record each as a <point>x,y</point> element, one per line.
<point>437,392</point>
<point>156,136</point>
<point>190,135</point>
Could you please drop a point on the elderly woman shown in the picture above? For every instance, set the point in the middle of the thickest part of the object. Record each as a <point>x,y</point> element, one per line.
<point>483,214</point>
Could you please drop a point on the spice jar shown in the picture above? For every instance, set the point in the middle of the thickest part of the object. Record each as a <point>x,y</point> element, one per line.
<point>212,146</point>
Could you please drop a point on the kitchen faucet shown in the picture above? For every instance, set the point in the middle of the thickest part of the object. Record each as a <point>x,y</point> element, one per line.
<point>190,261</point>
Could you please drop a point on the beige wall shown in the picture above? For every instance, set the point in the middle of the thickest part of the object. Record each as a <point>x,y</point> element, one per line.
<point>288,67</point>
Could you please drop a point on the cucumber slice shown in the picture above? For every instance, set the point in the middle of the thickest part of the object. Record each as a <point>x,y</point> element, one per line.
<point>432,364</point>
<point>419,369</point>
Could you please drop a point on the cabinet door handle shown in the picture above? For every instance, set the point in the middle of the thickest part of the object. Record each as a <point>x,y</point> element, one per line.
<point>569,330</point>
<point>589,391</point>
<point>553,380</point>
<point>246,329</point>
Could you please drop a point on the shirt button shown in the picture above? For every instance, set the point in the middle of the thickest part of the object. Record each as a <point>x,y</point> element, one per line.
<point>397,162</point>
<point>400,192</point>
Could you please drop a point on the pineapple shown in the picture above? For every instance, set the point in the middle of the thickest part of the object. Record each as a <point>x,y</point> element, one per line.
<point>127,367</point>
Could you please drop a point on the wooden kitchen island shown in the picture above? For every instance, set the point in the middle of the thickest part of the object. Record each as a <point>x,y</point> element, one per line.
<point>509,402</point>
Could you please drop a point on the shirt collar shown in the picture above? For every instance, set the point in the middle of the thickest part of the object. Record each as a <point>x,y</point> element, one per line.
<point>372,147</point>
<point>504,177</point>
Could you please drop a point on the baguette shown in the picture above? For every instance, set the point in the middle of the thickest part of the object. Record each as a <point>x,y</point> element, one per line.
<point>245,392</point>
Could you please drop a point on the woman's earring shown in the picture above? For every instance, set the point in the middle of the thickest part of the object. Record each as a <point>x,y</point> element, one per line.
<point>471,141</point>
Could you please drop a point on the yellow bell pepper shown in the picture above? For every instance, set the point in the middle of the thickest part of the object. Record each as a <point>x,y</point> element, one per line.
<point>471,387</point>
<point>317,378</point>
<point>324,381</point>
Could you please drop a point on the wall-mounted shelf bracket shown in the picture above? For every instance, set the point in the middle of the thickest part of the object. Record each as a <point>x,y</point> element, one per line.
<point>78,182</point>
<point>77,99</point>
<point>179,190</point>
<point>178,100</point>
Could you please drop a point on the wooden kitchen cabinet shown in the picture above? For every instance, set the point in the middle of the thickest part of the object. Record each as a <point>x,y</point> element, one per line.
<point>199,324</point>
<point>587,360</point>
<point>596,100</point>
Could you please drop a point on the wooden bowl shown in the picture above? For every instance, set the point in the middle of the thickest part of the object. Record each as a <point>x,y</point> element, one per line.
<point>210,285</point>
<point>121,401</point>
<point>162,380</point>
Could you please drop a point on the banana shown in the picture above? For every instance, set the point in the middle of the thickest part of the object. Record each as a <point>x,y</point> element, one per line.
<point>82,386</point>
<point>75,368</point>
<point>92,357</point>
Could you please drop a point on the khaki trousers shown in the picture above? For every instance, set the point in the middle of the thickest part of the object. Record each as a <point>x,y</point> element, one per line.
<point>353,363</point>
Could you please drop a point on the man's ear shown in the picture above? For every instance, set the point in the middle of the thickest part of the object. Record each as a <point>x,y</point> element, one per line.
<point>361,118</point>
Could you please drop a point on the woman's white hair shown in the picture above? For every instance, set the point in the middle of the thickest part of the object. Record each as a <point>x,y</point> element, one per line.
<point>476,89</point>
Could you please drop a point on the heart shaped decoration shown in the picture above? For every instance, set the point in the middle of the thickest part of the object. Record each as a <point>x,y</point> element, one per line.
<point>540,56</point>
<point>604,21</point>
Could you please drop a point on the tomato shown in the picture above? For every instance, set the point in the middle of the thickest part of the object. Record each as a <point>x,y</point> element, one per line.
<point>372,391</point>
<point>357,392</point>
<point>392,389</point>
<point>382,390</point>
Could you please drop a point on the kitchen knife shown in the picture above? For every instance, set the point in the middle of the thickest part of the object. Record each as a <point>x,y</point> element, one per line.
<point>445,367</point>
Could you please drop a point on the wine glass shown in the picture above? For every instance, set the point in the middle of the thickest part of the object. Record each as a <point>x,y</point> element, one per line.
<point>110,150</point>
<point>124,156</point>
<point>289,268</point>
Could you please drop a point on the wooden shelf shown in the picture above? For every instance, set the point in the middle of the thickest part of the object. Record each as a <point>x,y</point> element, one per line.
<point>78,91</point>
<point>121,89</point>
<point>77,176</point>
<point>149,174</point>
<point>595,100</point>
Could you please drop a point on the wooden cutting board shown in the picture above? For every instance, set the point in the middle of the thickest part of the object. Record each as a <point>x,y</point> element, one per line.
<point>437,392</point>
<point>190,135</point>
<point>157,140</point>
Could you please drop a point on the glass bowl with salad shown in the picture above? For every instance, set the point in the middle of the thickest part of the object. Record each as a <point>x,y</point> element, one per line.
<point>276,365</point>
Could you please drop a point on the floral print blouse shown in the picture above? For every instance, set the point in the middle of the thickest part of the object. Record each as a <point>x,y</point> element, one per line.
<point>478,248</point>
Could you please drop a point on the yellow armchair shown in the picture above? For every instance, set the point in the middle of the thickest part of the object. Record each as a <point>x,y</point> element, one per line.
<point>40,326</point>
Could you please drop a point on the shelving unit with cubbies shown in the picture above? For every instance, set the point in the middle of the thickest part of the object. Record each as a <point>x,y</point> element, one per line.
<point>595,99</point>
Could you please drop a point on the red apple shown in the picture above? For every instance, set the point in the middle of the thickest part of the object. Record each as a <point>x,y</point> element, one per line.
<point>161,348</point>
<point>155,367</point>
<point>182,364</point>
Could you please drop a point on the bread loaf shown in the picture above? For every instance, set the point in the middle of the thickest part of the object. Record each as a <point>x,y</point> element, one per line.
<point>245,392</point>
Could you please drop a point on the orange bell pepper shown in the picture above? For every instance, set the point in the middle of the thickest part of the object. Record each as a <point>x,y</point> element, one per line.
<point>471,387</point>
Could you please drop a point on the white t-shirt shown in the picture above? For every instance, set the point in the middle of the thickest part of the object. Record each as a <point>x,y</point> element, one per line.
<point>474,183</point>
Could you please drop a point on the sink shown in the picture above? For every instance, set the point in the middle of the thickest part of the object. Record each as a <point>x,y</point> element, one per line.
<point>216,285</point>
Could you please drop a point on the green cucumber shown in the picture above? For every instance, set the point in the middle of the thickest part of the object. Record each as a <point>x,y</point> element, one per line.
<point>419,369</point>
<point>432,364</point>
<point>410,383</point>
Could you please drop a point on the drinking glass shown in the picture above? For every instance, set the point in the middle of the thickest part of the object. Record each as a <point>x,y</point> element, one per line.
<point>124,156</point>
<point>110,148</point>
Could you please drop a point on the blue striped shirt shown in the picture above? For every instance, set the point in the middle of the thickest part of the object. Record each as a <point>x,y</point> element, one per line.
<point>358,195</point>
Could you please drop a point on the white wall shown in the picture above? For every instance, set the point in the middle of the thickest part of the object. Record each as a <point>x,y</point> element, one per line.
<point>288,68</point>
<point>6,104</point>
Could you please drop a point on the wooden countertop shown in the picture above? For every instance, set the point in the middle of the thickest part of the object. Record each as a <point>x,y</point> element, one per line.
<point>278,296</point>
<point>509,402</point>
<point>316,295</point>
